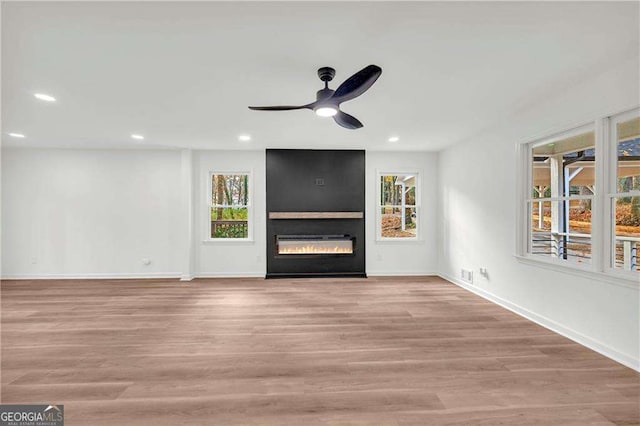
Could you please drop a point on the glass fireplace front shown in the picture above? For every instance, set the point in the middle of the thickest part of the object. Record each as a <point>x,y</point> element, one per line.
<point>314,244</point>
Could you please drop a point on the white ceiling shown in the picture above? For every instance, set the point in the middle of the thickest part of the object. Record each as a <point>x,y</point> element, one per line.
<point>183,74</point>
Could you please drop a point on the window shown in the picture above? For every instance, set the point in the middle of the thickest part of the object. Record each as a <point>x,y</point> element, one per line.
<point>230,209</point>
<point>625,194</point>
<point>398,209</point>
<point>581,197</point>
<point>562,193</point>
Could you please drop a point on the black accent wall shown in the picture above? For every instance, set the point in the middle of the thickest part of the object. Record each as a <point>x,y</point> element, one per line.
<point>315,181</point>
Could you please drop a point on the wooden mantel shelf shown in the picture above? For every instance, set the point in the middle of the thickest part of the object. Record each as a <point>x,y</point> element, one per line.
<point>316,215</point>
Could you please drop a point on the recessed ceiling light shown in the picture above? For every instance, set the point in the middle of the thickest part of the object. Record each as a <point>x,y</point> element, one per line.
<point>139,137</point>
<point>244,138</point>
<point>44,97</point>
<point>16,135</point>
<point>394,139</point>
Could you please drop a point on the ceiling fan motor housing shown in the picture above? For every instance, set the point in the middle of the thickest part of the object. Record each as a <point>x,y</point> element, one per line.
<point>324,94</point>
<point>326,73</point>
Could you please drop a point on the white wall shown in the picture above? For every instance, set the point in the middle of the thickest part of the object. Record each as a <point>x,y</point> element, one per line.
<point>226,258</point>
<point>98,213</point>
<point>403,257</point>
<point>477,216</point>
<point>77,213</point>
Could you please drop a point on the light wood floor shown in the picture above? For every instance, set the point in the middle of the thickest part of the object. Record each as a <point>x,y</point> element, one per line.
<point>297,352</point>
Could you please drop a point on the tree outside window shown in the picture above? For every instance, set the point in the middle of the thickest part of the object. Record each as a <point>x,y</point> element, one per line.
<point>229,205</point>
<point>626,196</point>
<point>398,206</point>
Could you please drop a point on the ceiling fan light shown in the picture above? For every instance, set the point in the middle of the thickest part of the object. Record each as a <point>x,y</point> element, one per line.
<point>44,97</point>
<point>326,111</point>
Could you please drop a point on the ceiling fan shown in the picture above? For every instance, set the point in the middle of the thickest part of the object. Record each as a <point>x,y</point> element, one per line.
<point>328,101</point>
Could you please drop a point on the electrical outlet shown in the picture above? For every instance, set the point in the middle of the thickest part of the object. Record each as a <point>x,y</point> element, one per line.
<point>146,261</point>
<point>466,276</point>
<point>379,257</point>
<point>34,260</point>
<point>484,273</point>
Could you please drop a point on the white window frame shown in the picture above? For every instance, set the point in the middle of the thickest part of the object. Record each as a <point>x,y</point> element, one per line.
<point>565,197</point>
<point>249,206</point>
<point>419,224</point>
<point>602,224</point>
<point>612,194</point>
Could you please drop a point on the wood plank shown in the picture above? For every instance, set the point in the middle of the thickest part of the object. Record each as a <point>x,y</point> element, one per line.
<point>316,215</point>
<point>383,350</point>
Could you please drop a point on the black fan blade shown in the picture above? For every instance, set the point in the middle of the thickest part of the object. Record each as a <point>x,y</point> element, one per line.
<point>357,84</point>
<point>347,121</point>
<point>280,108</point>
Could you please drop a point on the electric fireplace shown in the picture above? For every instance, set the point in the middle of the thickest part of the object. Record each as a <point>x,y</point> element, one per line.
<point>314,245</point>
<point>315,213</point>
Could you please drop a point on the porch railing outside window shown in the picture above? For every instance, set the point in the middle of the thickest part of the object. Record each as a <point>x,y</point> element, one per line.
<point>566,207</point>
<point>563,180</point>
<point>229,209</point>
<point>625,194</point>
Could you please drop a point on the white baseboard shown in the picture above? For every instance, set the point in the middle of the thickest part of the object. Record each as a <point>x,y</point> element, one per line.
<point>136,275</point>
<point>401,274</point>
<point>182,277</point>
<point>230,275</point>
<point>550,324</point>
<point>93,276</point>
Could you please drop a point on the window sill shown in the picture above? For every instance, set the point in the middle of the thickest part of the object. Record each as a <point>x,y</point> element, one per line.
<point>399,240</point>
<point>610,278</point>
<point>239,241</point>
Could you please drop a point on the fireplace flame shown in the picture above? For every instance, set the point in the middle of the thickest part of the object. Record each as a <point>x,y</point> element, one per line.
<point>314,249</point>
